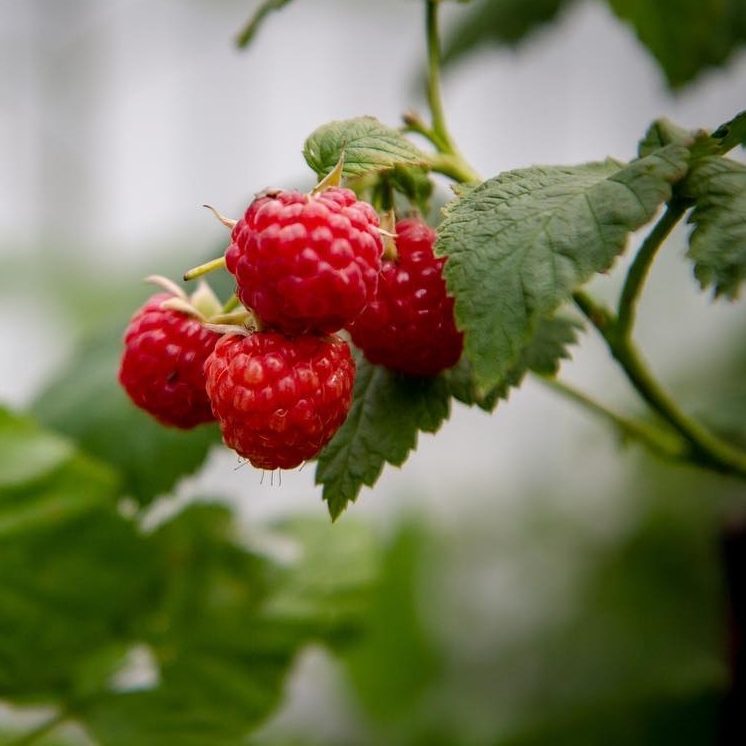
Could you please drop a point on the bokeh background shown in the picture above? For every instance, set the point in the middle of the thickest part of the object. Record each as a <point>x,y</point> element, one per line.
<point>119,119</point>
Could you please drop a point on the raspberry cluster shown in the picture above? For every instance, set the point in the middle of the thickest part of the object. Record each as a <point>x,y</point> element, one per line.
<point>279,383</point>
<point>270,368</point>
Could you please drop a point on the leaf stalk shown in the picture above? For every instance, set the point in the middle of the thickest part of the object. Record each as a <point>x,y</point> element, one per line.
<point>640,267</point>
<point>449,160</point>
<point>658,441</point>
<point>704,448</point>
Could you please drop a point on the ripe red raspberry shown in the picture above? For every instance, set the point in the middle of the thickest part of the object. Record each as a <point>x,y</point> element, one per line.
<point>409,325</point>
<point>162,364</point>
<point>306,262</point>
<point>279,400</point>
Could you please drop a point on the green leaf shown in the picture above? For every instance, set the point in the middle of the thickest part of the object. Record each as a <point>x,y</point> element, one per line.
<point>396,661</point>
<point>43,480</point>
<point>26,451</point>
<point>212,587</point>
<point>87,404</point>
<point>542,355</point>
<point>700,143</point>
<point>686,36</point>
<point>717,245</point>
<point>220,666</point>
<point>210,701</point>
<point>548,346</point>
<point>228,624</point>
<point>663,132</point>
<point>519,244</point>
<point>70,595</point>
<point>500,22</point>
<point>327,586</point>
<point>367,146</point>
<point>388,410</point>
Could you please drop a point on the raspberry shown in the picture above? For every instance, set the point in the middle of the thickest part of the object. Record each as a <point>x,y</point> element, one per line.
<point>162,365</point>
<point>305,262</point>
<point>279,400</point>
<point>409,325</point>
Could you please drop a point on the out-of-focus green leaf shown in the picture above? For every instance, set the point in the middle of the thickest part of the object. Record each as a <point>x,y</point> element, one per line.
<point>686,36</point>
<point>27,452</point>
<point>87,404</point>
<point>222,623</point>
<point>43,480</point>
<point>519,244</point>
<point>228,626</point>
<point>717,244</point>
<point>327,585</point>
<point>499,22</point>
<point>388,411</point>
<point>70,595</point>
<point>396,660</point>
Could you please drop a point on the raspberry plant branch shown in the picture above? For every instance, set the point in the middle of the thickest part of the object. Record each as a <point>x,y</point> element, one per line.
<point>249,30</point>
<point>661,442</point>
<point>638,271</point>
<point>439,131</point>
<point>704,448</point>
<point>447,160</point>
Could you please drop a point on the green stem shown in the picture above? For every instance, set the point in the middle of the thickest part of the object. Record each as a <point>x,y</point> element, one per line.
<point>231,304</point>
<point>455,167</point>
<point>659,441</point>
<point>439,129</point>
<point>448,161</point>
<point>704,448</point>
<point>640,267</point>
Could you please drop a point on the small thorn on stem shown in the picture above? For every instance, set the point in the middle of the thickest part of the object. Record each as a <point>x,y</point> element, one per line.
<point>227,222</point>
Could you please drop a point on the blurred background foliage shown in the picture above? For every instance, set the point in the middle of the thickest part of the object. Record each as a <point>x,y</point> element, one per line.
<point>148,598</point>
